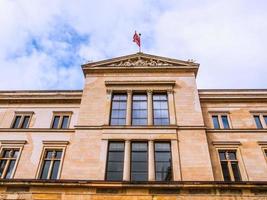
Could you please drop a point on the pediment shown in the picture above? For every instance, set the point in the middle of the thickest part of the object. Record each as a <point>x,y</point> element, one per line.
<point>140,60</point>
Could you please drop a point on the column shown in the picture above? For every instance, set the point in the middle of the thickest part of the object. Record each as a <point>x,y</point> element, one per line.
<point>129,108</point>
<point>127,161</point>
<point>149,107</point>
<point>108,107</point>
<point>151,161</point>
<point>175,161</point>
<point>171,107</point>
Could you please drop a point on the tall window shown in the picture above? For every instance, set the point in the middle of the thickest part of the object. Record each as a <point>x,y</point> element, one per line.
<point>139,111</point>
<point>118,112</point>
<point>21,121</point>
<point>61,121</point>
<point>265,119</point>
<point>160,109</point>
<point>139,161</point>
<point>51,164</point>
<point>229,164</point>
<point>215,121</point>
<point>8,161</point>
<point>258,121</point>
<point>163,163</point>
<point>220,121</point>
<point>114,170</point>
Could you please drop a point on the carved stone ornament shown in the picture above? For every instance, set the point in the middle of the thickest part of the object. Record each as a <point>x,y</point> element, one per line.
<point>141,62</point>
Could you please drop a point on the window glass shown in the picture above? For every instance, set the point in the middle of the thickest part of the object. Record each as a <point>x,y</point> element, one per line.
<point>139,109</point>
<point>215,120</point>
<point>56,122</point>
<point>25,122</point>
<point>118,110</point>
<point>265,119</point>
<point>139,161</point>
<point>16,122</point>
<point>258,121</point>
<point>160,109</point>
<point>65,122</point>
<point>163,163</point>
<point>115,161</point>
<point>225,122</point>
<point>8,160</point>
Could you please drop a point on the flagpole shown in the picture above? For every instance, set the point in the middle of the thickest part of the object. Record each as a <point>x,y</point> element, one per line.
<point>140,43</point>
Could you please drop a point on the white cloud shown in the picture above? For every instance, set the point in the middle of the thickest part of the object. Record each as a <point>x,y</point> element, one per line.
<point>40,47</point>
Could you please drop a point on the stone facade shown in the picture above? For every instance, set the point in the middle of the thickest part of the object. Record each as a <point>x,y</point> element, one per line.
<point>195,142</point>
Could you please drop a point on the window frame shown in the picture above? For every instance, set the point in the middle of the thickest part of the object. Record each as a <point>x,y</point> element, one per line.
<point>132,109</point>
<point>111,106</point>
<point>168,109</point>
<point>61,114</point>
<point>171,162</point>
<point>242,169</point>
<point>13,145</point>
<point>107,158</point>
<point>51,145</point>
<point>23,115</point>
<point>261,115</point>
<point>221,124</point>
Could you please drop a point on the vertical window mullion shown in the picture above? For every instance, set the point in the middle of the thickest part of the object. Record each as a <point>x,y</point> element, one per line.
<point>50,169</point>
<point>6,167</point>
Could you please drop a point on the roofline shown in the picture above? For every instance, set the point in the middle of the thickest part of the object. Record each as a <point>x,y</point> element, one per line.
<point>40,91</point>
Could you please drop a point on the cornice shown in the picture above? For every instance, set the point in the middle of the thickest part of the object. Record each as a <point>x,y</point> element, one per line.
<point>236,130</point>
<point>25,130</point>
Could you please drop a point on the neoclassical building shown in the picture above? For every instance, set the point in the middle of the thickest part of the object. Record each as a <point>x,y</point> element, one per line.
<point>139,129</point>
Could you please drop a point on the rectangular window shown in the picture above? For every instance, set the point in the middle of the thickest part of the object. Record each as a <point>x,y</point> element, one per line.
<point>8,161</point>
<point>229,164</point>
<point>51,164</point>
<point>139,110</point>
<point>225,121</point>
<point>118,110</point>
<point>216,123</point>
<point>115,160</point>
<point>21,121</point>
<point>258,121</point>
<point>265,119</point>
<point>160,109</point>
<point>163,163</point>
<point>60,120</point>
<point>139,161</point>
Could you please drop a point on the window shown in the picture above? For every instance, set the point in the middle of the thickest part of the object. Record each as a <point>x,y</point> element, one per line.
<point>163,161</point>
<point>51,164</point>
<point>114,170</point>
<point>21,121</point>
<point>118,112</point>
<point>160,109</point>
<point>139,112</point>
<point>220,121</point>
<point>265,119</point>
<point>8,161</point>
<point>229,165</point>
<point>139,161</point>
<point>258,121</point>
<point>60,120</point>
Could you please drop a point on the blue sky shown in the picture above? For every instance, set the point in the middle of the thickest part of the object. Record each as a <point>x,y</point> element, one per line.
<point>43,44</point>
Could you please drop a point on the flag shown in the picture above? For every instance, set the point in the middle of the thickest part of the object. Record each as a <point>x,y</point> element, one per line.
<point>137,39</point>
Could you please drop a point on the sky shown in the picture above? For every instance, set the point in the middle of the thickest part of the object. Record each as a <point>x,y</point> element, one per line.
<point>43,43</point>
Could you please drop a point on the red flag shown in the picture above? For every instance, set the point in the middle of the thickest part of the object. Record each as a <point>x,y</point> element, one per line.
<point>137,39</point>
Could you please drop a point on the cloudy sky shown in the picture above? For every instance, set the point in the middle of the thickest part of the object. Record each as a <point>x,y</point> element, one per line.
<point>43,43</point>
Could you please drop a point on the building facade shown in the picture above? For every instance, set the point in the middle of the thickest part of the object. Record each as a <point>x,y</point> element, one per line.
<point>139,129</point>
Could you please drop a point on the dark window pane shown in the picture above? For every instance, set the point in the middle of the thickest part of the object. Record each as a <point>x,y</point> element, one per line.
<point>115,166</point>
<point>65,122</point>
<point>231,155</point>
<point>265,119</point>
<point>225,122</point>
<point>160,109</point>
<point>45,169</point>
<point>215,122</point>
<point>55,168</point>
<point>118,111</point>
<point>163,156</point>
<point>2,166</point>
<point>139,156</point>
<point>139,166</point>
<point>139,109</point>
<point>25,123</point>
<point>58,154</point>
<point>55,122</point>
<point>164,176</point>
<point>163,166</point>
<point>139,146</point>
<point>139,122</point>
<point>162,146</point>
<point>236,171</point>
<point>6,153</point>
<point>258,121</point>
<point>140,97</point>
<point>115,156</point>
<point>116,146</point>
<point>114,176</point>
<point>16,122</point>
<point>225,170</point>
<point>49,154</point>
<point>10,168</point>
<point>139,176</point>
<point>222,155</point>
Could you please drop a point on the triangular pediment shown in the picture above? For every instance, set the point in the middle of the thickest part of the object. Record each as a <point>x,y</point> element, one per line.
<point>140,60</point>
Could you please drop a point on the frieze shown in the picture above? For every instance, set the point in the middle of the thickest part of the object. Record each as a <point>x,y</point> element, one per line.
<point>141,62</point>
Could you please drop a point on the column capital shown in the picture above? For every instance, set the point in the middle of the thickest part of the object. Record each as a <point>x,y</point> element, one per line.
<point>129,92</point>
<point>149,92</point>
<point>109,91</point>
<point>170,91</point>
